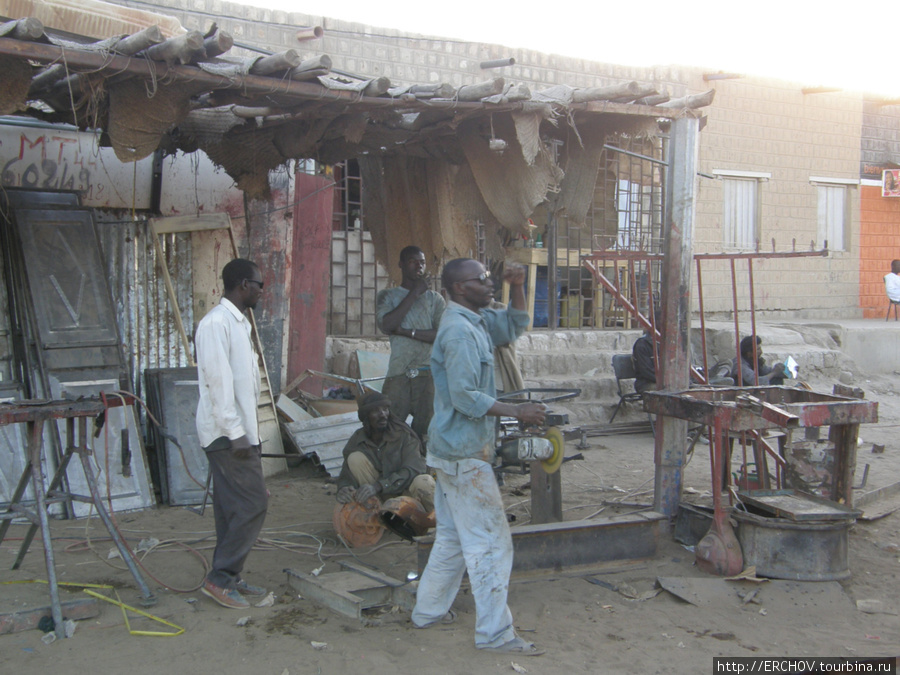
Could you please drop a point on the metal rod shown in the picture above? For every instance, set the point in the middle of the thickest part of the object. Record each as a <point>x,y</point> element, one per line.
<point>702,322</point>
<point>146,594</point>
<point>646,255</point>
<point>753,322</point>
<point>737,330</point>
<point>636,155</point>
<point>35,443</point>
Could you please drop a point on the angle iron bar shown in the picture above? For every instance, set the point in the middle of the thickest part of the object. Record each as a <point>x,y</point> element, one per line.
<point>644,255</point>
<point>635,155</point>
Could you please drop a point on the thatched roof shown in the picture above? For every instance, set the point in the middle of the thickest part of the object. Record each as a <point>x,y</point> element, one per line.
<point>252,115</point>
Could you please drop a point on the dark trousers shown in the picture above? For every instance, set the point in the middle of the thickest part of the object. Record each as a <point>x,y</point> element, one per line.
<point>239,502</point>
<point>412,396</point>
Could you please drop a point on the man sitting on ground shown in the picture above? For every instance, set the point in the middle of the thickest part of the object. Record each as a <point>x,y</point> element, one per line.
<point>743,374</point>
<point>384,458</point>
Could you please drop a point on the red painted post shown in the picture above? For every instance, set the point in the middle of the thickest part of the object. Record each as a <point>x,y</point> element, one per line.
<point>310,273</point>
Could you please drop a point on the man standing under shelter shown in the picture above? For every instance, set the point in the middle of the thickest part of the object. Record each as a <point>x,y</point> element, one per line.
<point>410,314</point>
<point>228,369</point>
<point>472,531</point>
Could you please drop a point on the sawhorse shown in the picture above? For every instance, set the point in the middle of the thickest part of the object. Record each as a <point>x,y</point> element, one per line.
<point>76,414</point>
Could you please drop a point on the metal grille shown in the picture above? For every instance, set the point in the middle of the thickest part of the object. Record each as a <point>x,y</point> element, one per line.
<point>626,215</point>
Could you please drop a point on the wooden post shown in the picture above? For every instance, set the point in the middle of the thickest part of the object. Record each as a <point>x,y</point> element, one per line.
<point>674,363</point>
<point>276,63</point>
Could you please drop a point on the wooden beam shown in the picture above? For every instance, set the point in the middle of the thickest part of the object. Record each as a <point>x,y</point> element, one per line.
<point>674,357</point>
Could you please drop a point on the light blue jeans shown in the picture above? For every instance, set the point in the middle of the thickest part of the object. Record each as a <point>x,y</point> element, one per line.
<point>472,534</point>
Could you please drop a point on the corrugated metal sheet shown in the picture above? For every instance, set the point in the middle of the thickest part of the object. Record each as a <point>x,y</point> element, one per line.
<point>146,321</point>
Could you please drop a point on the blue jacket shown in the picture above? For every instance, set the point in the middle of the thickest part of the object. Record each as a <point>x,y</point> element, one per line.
<point>462,367</point>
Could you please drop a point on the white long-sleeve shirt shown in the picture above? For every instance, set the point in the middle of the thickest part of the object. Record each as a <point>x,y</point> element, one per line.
<point>229,376</point>
<point>892,286</point>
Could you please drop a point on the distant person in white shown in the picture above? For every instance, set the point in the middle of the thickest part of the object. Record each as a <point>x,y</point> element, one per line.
<point>892,282</point>
<point>228,369</point>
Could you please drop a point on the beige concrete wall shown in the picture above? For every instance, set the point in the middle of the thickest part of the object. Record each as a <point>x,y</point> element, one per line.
<point>769,126</point>
<point>753,125</point>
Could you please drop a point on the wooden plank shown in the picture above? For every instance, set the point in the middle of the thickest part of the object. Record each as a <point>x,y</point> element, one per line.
<point>210,221</point>
<point>170,290</point>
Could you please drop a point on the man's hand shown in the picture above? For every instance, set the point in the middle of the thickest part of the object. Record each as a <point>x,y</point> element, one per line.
<point>530,413</point>
<point>779,368</point>
<point>345,495</point>
<point>241,448</point>
<point>366,492</point>
<point>419,287</point>
<point>513,274</point>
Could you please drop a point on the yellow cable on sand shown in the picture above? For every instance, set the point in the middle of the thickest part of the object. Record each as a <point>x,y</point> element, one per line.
<point>123,606</point>
<point>118,602</point>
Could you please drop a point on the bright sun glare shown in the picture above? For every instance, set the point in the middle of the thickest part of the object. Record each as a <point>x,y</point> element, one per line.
<point>836,45</point>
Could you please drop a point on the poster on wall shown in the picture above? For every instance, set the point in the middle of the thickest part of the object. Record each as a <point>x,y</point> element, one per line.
<point>890,183</point>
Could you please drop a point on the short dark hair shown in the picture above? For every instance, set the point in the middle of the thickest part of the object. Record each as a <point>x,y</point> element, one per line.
<point>747,344</point>
<point>409,252</point>
<point>236,271</point>
<point>453,272</point>
<point>895,266</point>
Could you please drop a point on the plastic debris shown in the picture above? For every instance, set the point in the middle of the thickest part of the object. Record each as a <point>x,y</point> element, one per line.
<point>267,601</point>
<point>516,667</point>
<point>243,621</point>
<point>319,645</point>
<point>147,544</point>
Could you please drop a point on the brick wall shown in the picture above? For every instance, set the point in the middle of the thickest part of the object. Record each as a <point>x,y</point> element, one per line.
<point>879,243</point>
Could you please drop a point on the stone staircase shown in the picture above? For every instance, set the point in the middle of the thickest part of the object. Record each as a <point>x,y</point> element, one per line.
<point>582,359</point>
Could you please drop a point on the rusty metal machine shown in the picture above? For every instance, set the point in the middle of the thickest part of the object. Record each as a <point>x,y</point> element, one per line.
<point>751,410</point>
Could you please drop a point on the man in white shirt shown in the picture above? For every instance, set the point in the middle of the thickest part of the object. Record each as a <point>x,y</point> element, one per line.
<point>892,282</point>
<point>228,369</point>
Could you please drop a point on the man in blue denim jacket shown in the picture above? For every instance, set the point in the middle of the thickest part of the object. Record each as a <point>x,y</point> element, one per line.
<point>472,531</point>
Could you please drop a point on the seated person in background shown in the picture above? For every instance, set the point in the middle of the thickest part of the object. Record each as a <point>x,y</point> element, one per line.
<point>773,375</point>
<point>384,458</point>
<point>892,282</point>
<point>644,358</point>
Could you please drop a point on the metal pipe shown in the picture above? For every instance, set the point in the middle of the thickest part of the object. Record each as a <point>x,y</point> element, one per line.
<point>309,33</point>
<point>497,63</point>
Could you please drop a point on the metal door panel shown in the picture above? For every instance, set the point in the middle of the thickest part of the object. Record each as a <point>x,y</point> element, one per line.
<point>124,477</point>
<point>177,393</point>
<point>68,284</point>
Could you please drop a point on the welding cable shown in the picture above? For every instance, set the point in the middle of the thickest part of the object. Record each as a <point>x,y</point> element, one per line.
<point>139,561</point>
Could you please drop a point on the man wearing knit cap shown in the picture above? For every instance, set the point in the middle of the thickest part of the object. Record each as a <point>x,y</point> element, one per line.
<point>384,458</point>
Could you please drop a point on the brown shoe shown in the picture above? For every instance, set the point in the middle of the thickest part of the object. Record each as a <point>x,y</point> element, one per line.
<point>249,589</point>
<point>229,598</point>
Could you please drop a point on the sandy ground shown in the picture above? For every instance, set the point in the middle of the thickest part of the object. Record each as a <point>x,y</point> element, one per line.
<point>587,623</point>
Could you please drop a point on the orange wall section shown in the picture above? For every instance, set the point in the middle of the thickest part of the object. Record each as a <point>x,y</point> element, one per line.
<point>879,243</point>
